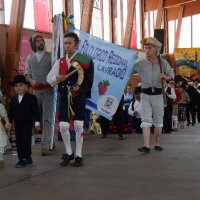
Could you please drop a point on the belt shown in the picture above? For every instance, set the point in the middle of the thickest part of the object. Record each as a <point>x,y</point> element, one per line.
<point>152,91</point>
<point>42,87</point>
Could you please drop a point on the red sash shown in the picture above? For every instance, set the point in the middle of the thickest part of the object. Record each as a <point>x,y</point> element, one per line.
<point>41,87</point>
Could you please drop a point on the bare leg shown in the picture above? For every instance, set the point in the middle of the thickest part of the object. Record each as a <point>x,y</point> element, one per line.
<point>157,133</point>
<point>146,136</point>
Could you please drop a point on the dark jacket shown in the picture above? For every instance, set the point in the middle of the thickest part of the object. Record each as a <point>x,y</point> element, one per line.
<point>27,110</point>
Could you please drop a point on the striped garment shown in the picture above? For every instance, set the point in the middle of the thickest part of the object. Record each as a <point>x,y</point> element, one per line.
<point>150,72</point>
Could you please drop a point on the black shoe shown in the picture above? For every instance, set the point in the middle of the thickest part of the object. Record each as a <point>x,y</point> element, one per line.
<point>78,162</point>
<point>144,149</point>
<point>66,159</point>
<point>20,164</point>
<point>121,137</point>
<point>104,136</point>
<point>29,161</point>
<point>188,124</point>
<point>158,148</point>
<point>193,124</point>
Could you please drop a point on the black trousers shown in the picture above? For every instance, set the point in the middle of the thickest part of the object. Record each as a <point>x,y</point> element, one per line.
<point>191,109</point>
<point>78,107</point>
<point>119,119</point>
<point>23,132</point>
<point>167,120</point>
<point>104,122</point>
<point>138,122</point>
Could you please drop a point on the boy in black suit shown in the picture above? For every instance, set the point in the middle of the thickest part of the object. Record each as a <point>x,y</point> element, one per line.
<point>24,111</point>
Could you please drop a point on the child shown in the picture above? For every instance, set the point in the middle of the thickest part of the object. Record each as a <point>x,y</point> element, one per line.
<point>135,109</point>
<point>24,111</point>
<point>3,136</point>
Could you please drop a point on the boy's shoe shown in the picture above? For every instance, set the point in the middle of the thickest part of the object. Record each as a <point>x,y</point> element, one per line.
<point>78,161</point>
<point>20,164</point>
<point>144,149</point>
<point>158,148</point>
<point>1,163</point>
<point>66,159</point>
<point>29,161</point>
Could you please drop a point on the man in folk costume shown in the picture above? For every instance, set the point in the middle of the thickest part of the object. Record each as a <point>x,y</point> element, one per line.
<point>77,92</point>
<point>152,70</point>
<point>37,67</point>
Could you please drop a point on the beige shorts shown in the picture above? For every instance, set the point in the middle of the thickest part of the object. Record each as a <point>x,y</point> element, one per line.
<point>152,110</point>
<point>175,110</point>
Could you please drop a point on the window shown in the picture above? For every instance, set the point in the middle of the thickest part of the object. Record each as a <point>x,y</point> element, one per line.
<point>195,31</point>
<point>185,34</point>
<point>57,7</point>
<point>7,6</point>
<point>29,21</point>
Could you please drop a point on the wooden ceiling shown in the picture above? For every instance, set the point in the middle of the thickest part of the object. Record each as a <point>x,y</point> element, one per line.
<point>191,7</point>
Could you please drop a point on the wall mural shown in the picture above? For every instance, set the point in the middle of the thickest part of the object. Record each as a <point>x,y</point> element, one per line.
<point>187,62</point>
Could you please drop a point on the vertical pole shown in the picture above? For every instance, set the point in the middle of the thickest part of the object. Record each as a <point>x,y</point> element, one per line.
<point>129,23</point>
<point>13,42</point>
<point>178,30</point>
<point>51,15</point>
<point>86,18</point>
<point>142,20</point>
<point>159,14</point>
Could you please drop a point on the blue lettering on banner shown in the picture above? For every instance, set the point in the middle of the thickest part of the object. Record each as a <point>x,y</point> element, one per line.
<point>93,52</point>
<point>84,48</point>
<point>115,59</point>
<point>116,72</point>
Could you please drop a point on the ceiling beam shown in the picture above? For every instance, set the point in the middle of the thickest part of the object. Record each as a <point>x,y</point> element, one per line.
<point>152,5</point>
<point>189,10</point>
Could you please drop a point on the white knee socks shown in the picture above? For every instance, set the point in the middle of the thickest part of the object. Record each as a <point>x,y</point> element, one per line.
<point>174,121</point>
<point>78,127</point>
<point>64,129</point>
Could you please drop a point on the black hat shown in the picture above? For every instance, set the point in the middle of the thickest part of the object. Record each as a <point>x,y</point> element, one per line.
<point>19,79</point>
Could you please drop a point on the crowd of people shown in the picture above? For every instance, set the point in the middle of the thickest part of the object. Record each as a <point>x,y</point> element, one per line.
<point>156,103</point>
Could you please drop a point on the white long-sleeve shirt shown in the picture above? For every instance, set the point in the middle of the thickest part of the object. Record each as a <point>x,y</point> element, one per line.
<point>51,77</point>
<point>137,108</point>
<point>172,95</point>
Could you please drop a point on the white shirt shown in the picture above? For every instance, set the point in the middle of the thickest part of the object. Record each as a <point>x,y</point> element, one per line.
<point>51,77</point>
<point>39,55</point>
<point>173,94</point>
<point>137,108</point>
<point>20,97</point>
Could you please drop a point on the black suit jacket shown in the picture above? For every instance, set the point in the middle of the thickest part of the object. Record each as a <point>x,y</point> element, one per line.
<point>193,94</point>
<point>27,110</point>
